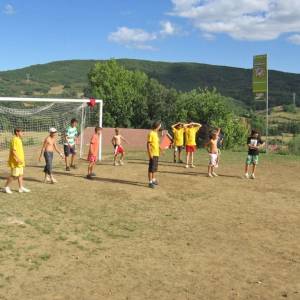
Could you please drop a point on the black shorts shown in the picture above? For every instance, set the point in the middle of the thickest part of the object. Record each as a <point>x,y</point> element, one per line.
<point>69,150</point>
<point>153,164</point>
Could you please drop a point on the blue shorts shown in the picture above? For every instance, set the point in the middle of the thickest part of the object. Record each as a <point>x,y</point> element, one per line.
<point>69,150</point>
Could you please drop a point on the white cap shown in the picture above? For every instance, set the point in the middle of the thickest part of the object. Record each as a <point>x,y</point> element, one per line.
<point>52,130</point>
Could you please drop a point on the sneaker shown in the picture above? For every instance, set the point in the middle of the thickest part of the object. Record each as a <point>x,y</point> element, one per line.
<point>216,166</point>
<point>151,185</point>
<point>47,179</point>
<point>93,174</point>
<point>181,162</point>
<point>247,176</point>
<point>214,174</point>
<point>73,167</point>
<point>24,190</point>
<point>115,164</point>
<point>193,166</point>
<point>174,161</point>
<point>121,163</point>
<point>7,190</point>
<point>68,169</point>
<point>53,181</point>
<point>253,176</point>
<point>155,182</point>
<point>89,177</point>
<point>187,166</point>
<point>210,175</point>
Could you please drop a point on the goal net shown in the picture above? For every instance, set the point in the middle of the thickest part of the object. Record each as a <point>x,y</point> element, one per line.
<point>36,115</point>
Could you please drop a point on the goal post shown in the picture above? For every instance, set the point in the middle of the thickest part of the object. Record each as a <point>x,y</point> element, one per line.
<point>37,115</point>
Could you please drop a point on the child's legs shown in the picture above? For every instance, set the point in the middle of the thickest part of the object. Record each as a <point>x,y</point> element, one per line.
<point>254,168</point>
<point>20,181</point>
<point>188,157</point>
<point>179,153</point>
<point>192,158</point>
<point>246,168</point>
<point>209,169</point>
<point>9,180</point>
<point>150,176</point>
<point>73,159</point>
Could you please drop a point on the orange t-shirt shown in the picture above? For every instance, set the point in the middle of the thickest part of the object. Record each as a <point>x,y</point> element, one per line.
<point>94,145</point>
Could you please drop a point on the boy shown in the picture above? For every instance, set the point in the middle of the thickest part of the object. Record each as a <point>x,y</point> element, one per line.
<point>93,152</point>
<point>16,162</point>
<point>178,132</point>
<point>213,153</point>
<point>191,130</point>
<point>69,145</point>
<point>48,148</point>
<point>118,148</point>
<point>153,153</point>
<point>254,143</point>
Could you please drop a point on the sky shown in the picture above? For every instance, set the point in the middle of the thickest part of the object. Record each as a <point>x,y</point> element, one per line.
<point>219,32</point>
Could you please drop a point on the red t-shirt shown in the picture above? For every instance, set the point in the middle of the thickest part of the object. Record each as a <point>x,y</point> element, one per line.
<point>94,145</point>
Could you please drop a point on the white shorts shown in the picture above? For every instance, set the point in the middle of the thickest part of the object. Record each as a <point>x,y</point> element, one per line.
<point>213,159</point>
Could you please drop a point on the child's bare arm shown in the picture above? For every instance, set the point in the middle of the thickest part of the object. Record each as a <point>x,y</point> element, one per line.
<point>113,141</point>
<point>149,149</point>
<point>43,148</point>
<point>57,150</point>
<point>124,140</point>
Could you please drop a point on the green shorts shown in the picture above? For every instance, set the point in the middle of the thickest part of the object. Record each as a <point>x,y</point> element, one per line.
<point>252,160</point>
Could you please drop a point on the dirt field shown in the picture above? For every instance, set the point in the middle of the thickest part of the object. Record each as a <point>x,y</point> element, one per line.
<point>191,238</point>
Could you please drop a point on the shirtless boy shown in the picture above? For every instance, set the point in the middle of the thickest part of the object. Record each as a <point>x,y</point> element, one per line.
<point>213,152</point>
<point>118,148</point>
<point>49,146</point>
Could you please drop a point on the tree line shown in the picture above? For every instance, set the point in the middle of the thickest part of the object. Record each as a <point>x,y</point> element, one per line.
<point>132,99</point>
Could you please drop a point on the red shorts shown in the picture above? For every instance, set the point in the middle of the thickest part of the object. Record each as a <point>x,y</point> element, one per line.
<point>119,150</point>
<point>190,149</point>
<point>92,158</point>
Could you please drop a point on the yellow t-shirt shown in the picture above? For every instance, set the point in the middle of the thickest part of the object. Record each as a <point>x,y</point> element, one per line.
<point>190,135</point>
<point>17,146</point>
<point>178,136</point>
<point>153,140</point>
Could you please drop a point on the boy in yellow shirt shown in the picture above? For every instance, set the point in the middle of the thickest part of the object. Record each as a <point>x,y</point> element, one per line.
<point>191,130</point>
<point>153,153</point>
<point>16,162</point>
<point>178,132</point>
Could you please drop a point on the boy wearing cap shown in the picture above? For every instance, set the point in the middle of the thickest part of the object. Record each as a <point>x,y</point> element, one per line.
<point>49,146</point>
<point>16,162</point>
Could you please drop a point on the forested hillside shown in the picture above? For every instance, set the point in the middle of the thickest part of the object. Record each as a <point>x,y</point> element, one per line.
<point>69,79</point>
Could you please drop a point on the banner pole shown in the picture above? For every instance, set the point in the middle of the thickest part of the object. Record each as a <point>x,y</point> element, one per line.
<point>267,108</point>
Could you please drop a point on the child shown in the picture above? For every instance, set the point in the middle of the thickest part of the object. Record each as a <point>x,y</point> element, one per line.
<point>16,162</point>
<point>191,130</point>
<point>178,131</point>
<point>213,153</point>
<point>254,143</point>
<point>153,153</point>
<point>69,145</point>
<point>118,148</point>
<point>48,148</point>
<point>93,152</point>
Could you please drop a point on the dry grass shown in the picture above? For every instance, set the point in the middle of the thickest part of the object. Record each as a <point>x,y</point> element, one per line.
<point>191,238</point>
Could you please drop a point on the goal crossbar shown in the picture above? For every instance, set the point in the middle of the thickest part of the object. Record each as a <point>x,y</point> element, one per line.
<point>62,100</point>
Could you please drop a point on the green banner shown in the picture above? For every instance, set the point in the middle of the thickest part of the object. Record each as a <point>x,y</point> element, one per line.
<point>260,76</point>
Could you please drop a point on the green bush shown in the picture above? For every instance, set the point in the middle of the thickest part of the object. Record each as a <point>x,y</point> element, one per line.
<point>294,145</point>
<point>291,108</point>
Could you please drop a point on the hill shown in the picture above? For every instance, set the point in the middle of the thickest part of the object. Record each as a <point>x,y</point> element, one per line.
<point>69,78</point>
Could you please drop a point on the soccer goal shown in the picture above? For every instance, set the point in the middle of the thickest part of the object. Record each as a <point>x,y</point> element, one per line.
<point>36,115</point>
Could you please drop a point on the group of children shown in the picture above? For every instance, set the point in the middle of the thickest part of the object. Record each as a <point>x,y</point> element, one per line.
<point>184,136</point>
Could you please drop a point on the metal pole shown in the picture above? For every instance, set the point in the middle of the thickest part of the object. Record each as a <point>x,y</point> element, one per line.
<point>100,125</point>
<point>82,131</point>
<point>267,106</point>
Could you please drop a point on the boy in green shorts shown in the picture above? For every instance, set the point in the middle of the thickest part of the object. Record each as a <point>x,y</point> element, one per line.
<point>153,153</point>
<point>254,143</point>
<point>16,162</point>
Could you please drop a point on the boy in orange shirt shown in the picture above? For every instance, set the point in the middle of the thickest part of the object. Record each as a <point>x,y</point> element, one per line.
<point>93,152</point>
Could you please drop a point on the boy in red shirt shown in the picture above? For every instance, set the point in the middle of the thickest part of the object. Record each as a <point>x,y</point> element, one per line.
<point>93,152</point>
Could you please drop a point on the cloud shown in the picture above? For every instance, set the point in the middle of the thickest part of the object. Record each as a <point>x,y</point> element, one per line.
<point>133,38</point>
<point>294,39</point>
<point>253,20</point>
<point>209,36</point>
<point>167,28</point>
<point>9,9</point>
